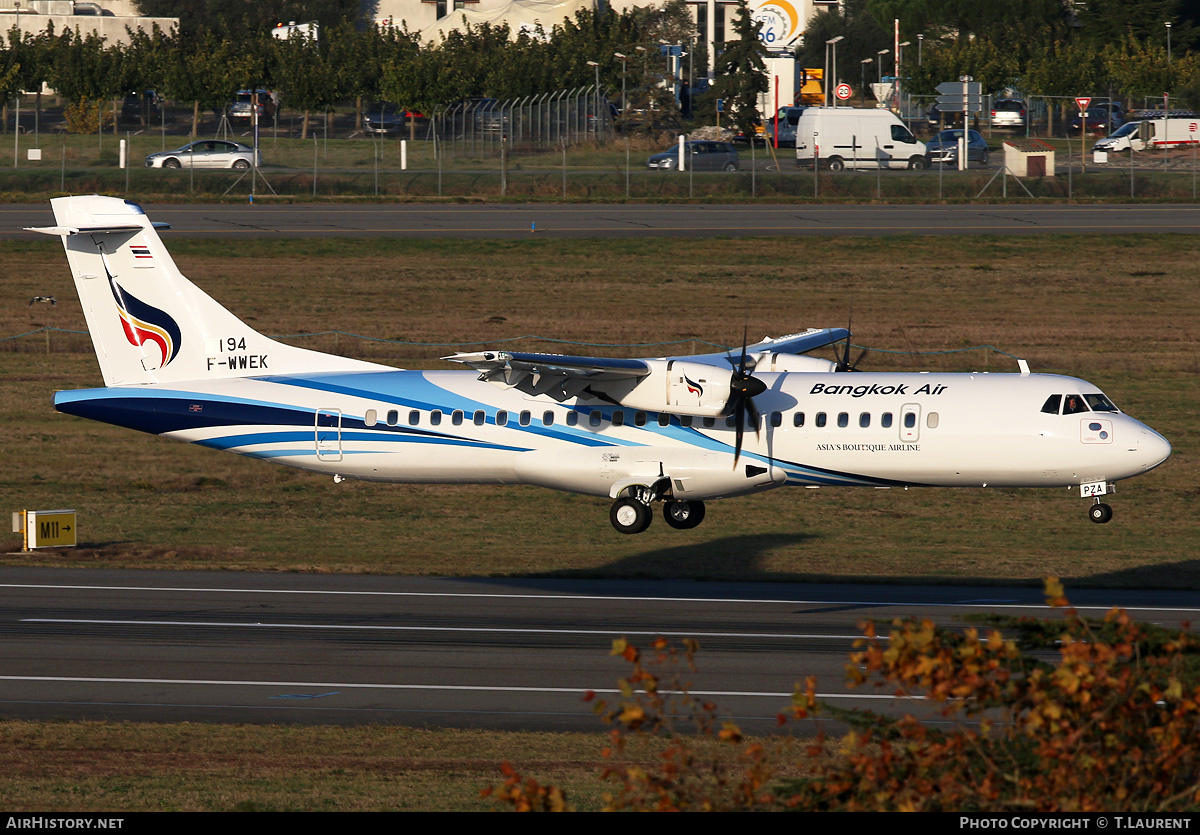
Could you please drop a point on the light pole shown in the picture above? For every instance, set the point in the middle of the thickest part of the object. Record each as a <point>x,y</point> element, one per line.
<point>832,42</point>
<point>1168,42</point>
<point>920,43</point>
<point>880,54</point>
<point>596,99</point>
<point>623,58</point>
<point>896,83</point>
<point>863,81</point>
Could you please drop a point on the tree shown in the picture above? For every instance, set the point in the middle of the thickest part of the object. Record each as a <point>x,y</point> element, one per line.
<point>1059,715</point>
<point>742,73</point>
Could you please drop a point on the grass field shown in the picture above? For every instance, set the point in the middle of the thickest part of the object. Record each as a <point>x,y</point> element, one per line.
<point>1118,311</point>
<point>1125,318</point>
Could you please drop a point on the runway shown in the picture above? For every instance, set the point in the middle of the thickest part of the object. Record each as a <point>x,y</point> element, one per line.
<point>499,654</point>
<point>623,221</point>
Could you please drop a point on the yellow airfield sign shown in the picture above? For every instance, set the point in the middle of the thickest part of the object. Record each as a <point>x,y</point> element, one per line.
<point>46,528</point>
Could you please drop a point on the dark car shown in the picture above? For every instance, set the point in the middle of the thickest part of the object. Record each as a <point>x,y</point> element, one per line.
<point>943,147</point>
<point>384,118</point>
<point>244,105</point>
<point>701,155</point>
<point>1101,118</point>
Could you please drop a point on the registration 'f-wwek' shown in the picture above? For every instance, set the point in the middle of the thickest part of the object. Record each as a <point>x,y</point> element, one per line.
<point>677,430</point>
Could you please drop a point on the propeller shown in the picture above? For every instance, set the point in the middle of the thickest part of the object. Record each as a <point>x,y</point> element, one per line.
<point>843,363</point>
<point>743,388</point>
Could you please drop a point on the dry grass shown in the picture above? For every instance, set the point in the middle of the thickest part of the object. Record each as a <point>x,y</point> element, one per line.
<point>1114,310</point>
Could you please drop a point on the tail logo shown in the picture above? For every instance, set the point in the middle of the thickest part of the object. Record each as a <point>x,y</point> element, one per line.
<point>144,323</point>
<point>694,388</point>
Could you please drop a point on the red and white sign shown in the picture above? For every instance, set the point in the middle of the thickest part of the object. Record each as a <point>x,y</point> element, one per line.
<point>1082,103</point>
<point>842,92</point>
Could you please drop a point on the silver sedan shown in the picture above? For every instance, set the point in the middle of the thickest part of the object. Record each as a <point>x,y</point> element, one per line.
<point>207,153</point>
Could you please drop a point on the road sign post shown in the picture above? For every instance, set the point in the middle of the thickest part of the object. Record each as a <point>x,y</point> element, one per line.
<point>1082,103</point>
<point>962,96</point>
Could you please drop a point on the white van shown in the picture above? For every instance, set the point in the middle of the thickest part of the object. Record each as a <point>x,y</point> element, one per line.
<point>849,137</point>
<point>1173,132</point>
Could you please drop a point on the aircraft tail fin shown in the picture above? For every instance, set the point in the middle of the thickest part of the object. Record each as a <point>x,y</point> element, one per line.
<point>148,323</point>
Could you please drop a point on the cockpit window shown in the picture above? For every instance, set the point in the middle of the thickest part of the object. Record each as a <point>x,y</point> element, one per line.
<point>1074,405</point>
<point>1052,404</point>
<point>1100,403</point>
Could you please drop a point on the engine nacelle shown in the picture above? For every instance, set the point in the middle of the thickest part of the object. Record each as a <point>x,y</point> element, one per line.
<point>681,388</point>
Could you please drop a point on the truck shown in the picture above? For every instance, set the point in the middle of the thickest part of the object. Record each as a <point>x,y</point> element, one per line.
<point>836,138</point>
<point>1169,131</point>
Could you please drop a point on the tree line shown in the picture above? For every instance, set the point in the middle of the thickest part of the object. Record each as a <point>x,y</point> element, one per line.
<point>206,66</point>
<point>1033,47</point>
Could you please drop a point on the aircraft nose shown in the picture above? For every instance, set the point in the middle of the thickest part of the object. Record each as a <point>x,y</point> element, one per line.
<point>1154,448</point>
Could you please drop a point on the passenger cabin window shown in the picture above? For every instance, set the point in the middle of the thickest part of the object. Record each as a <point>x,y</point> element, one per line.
<point>524,418</point>
<point>479,418</point>
<point>547,418</point>
<point>1052,404</point>
<point>685,420</point>
<point>595,418</point>
<point>435,417</point>
<point>709,423</point>
<point>572,418</point>
<point>393,417</point>
<point>639,418</point>
<point>664,419</point>
<point>864,420</point>
<point>776,418</point>
<point>885,420</point>
<point>798,419</point>
<point>931,420</point>
<point>456,417</point>
<point>618,418</point>
<point>414,418</point>
<point>910,420</point>
<point>370,418</point>
<point>502,418</point>
<point>843,419</point>
<point>820,418</point>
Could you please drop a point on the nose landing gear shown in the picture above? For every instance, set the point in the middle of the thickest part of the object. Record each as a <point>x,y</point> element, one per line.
<point>1099,512</point>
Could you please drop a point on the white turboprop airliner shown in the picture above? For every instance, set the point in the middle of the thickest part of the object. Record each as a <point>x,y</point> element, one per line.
<point>680,430</point>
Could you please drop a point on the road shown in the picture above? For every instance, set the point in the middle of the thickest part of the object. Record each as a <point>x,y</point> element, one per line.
<point>502,654</point>
<point>235,222</point>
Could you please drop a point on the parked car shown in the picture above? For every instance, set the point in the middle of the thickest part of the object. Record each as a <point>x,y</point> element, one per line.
<point>384,118</point>
<point>943,147</point>
<point>1008,113</point>
<point>1101,118</point>
<point>207,153</point>
<point>243,107</point>
<point>700,155</point>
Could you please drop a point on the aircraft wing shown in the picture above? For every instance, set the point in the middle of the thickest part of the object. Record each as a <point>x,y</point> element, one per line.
<point>795,343</point>
<point>560,375</point>
<point>617,381</point>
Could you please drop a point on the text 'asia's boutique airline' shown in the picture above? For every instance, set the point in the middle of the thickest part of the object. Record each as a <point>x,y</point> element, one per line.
<point>677,430</point>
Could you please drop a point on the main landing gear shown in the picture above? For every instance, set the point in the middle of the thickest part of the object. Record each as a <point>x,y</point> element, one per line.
<point>632,511</point>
